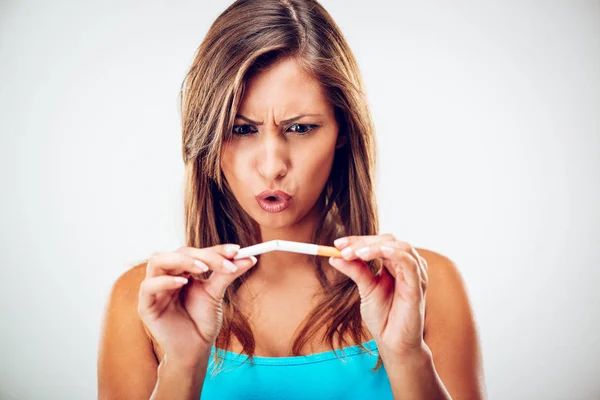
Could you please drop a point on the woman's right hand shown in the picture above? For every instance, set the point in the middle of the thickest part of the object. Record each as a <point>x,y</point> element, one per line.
<point>185,325</point>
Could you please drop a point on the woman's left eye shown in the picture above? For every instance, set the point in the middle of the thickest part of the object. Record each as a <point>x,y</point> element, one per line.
<point>304,128</point>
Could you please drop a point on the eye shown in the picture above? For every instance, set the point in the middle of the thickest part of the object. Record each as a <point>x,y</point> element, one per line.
<point>242,130</point>
<point>303,128</point>
<point>246,130</point>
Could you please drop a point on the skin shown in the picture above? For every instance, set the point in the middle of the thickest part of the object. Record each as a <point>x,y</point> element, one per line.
<point>272,155</point>
<point>417,308</point>
<point>269,156</point>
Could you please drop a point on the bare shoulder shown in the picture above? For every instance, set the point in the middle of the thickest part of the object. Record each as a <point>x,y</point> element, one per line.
<point>128,283</point>
<point>121,304</point>
<point>127,365</point>
<point>445,284</point>
<point>122,300</point>
<point>451,329</point>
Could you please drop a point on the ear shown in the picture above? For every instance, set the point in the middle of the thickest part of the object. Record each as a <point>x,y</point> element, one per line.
<point>341,141</point>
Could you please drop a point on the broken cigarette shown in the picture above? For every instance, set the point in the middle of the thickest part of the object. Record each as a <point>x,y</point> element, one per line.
<point>285,245</point>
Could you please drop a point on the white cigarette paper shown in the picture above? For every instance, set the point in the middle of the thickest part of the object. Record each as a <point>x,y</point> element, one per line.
<point>285,245</point>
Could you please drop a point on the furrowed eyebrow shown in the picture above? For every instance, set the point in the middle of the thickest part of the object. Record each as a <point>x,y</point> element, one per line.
<point>287,121</point>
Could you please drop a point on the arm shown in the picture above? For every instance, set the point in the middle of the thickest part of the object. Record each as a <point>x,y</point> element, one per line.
<point>413,376</point>
<point>449,365</point>
<point>426,314</point>
<point>127,366</point>
<point>450,330</point>
<point>177,382</point>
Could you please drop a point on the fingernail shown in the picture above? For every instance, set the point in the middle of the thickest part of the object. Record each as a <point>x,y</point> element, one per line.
<point>201,266</point>
<point>363,252</point>
<point>231,248</point>
<point>347,252</point>
<point>230,266</point>
<point>180,279</point>
<point>254,260</point>
<point>340,242</point>
<point>386,250</point>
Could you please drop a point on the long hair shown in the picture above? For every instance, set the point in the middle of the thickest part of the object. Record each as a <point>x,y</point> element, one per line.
<point>247,37</point>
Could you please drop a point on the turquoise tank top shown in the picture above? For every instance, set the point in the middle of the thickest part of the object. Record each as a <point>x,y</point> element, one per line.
<point>314,376</point>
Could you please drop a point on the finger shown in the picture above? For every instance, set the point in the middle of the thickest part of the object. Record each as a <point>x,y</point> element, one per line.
<point>218,283</point>
<point>384,248</point>
<point>351,244</point>
<point>399,259</point>
<point>421,264</point>
<point>173,263</point>
<point>228,250</point>
<point>415,257</point>
<point>350,240</point>
<point>358,271</point>
<point>405,294</point>
<point>424,275</point>
<point>392,252</point>
<point>217,258</point>
<point>411,274</point>
<point>151,287</point>
<point>395,253</point>
<point>345,241</point>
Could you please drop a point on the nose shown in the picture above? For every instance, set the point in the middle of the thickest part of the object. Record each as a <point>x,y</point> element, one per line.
<point>273,157</point>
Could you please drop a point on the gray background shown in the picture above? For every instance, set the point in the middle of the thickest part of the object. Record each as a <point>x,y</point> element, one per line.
<point>488,126</point>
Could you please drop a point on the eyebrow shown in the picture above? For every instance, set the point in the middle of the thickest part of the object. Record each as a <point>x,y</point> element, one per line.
<point>285,121</point>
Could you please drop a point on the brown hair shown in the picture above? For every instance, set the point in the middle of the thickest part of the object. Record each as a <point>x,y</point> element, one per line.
<point>247,37</point>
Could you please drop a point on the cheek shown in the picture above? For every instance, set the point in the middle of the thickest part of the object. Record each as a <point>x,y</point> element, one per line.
<point>316,163</point>
<point>232,161</point>
<point>226,162</point>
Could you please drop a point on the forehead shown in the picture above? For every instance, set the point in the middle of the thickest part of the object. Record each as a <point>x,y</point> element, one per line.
<point>285,88</point>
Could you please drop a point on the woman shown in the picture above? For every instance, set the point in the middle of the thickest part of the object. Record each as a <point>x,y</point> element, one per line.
<point>278,144</point>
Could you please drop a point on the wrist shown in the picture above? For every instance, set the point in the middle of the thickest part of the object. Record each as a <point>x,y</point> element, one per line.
<point>179,380</point>
<point>186,367</point>
<point>412,357</point>
<point>412,374</point>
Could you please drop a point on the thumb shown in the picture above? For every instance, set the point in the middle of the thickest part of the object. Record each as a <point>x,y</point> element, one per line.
<point>219,281</point>
<point>357,270</point>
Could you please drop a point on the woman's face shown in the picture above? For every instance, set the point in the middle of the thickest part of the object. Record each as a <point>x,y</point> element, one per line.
<point>284,138</point>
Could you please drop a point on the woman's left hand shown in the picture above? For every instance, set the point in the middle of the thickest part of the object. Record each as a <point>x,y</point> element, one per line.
<point>392,301</point>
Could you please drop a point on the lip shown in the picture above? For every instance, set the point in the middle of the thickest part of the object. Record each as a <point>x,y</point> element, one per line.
<point>281,202</point>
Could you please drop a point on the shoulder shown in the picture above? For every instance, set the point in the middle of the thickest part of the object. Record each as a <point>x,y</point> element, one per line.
<point>127,363</point>
<point>446,290</point>
<point>128,283</point>
<point>438,263</point>
<point>450,329</point>
<point>121,305</point>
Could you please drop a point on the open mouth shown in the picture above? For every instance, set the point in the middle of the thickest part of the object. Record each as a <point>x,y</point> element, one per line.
<point>273,202</point>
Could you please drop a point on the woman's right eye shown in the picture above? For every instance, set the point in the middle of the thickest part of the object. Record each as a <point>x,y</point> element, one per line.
<point>242,130</point>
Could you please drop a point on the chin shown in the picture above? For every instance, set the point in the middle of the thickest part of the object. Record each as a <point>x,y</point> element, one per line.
<point>281,220</point>
<point>275,221</point>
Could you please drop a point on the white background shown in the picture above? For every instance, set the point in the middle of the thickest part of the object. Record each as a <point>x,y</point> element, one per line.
<point>488,129</point>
